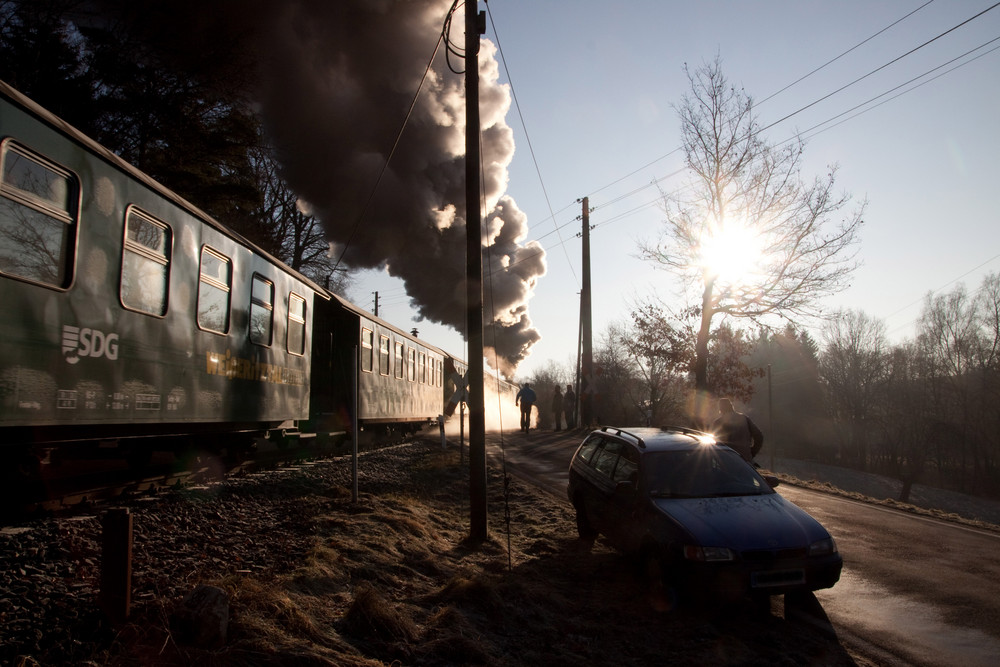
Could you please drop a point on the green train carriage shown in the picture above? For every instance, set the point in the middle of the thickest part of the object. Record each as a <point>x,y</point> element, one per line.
<point>128,313</point>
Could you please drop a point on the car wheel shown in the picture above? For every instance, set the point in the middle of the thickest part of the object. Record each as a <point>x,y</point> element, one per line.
<point>583,527</point>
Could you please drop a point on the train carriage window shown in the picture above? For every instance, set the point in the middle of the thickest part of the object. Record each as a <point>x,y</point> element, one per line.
<point>367,351</point>
<point>261,310</point>
<point>422,370</point>
<point>296,324</point>
<point>398,365</point>
<point>214,289</point>
<point>145,263</point>
<point>383,355</point>
<point>38,215</point>
<point>411,364</point>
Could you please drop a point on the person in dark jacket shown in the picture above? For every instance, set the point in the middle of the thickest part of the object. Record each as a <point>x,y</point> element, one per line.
<point>557,408</point>
<point>569,406</point>
<point>526,399</point>
<point>737,431</point>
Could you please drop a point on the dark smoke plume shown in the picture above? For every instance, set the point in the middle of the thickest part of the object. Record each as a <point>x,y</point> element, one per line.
<point>333,80</point>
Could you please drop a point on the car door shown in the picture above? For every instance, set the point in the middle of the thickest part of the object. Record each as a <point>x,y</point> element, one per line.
<point>603,486</point>
<point>622,504</point>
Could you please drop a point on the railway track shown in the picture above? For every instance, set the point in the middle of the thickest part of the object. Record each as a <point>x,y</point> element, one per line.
<point>70,486</point>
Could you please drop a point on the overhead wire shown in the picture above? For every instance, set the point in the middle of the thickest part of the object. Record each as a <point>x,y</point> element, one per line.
<point>883,30</point>
<point>772,124</point>
<point>880,68</point>
<point>921,84</point>
<point>835,59</point>
<point>442,38</point>
<point>935,291</point>
<point>527,137</point>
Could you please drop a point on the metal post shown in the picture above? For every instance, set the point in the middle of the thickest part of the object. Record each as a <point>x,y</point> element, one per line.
<point>357,430</point>
<point>474,278</point>
<point>116,564</point>
<point>770,415</point>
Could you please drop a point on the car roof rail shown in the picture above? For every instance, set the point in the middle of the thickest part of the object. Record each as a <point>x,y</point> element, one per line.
<point>623,433</point>
<point>685,430</point>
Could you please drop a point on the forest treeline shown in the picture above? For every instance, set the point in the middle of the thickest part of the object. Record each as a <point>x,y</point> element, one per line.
<point>925,410</point>
<point>185,119</point>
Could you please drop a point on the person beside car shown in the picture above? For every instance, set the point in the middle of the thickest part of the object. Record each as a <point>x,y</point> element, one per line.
<point>737,430</point>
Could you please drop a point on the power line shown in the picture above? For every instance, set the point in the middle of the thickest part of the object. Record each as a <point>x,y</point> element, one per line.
<point>442,38</point>
<point>935,291</point>
<point>921,84</point>
<point>952,29</point>
<point>878,69</point>
<point>527,138</point>
<point>835,59</point>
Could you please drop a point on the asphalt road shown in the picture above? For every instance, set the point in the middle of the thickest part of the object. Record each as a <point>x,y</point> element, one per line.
<point>914,590</point>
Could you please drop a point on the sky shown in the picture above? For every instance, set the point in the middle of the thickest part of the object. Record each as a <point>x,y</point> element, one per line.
<point>596,86</point>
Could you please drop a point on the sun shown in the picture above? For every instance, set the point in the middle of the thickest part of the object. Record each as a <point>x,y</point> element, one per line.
<point>730,253</point>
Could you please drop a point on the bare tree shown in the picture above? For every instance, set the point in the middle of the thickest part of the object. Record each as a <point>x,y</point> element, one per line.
<point>284,225</point>
<point>855,366</point>
<point>748,231</point>
<point>950,335</point>
<point>617,376</point>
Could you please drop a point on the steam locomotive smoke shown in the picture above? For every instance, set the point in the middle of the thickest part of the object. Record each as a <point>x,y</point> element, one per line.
<point>334,81</point>
<point>338,80</point>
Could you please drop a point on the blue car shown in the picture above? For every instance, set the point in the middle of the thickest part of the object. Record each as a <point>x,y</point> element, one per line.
<point>703,520</point>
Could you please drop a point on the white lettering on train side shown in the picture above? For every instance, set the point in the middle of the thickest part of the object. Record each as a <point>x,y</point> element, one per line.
<point>77,343</point>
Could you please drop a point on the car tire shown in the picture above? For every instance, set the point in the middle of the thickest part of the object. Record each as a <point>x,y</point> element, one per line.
<point>586,532</point>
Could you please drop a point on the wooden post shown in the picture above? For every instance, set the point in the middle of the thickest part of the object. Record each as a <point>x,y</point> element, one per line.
<point>115,596</point>
<point>474,278</point>
<point>587,385</point>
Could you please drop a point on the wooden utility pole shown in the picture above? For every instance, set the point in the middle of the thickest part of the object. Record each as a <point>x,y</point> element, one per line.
<point>587,388</point>
<point>474,26</point>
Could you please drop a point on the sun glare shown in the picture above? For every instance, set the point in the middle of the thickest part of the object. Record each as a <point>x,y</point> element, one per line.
<point>731,254</point>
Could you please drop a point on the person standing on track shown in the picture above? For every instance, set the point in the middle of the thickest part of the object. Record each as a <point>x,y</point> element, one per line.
<point>526,399</point>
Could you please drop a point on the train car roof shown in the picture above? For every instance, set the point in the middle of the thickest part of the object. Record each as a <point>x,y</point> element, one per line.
<point>73,133</point>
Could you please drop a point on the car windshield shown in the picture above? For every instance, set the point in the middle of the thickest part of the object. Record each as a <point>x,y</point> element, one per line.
<point>705,472</point>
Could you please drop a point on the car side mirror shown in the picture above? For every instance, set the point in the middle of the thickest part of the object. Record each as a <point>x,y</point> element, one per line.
<point>772,481</point>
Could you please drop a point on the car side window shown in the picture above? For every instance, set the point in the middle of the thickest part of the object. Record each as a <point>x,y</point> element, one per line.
<point>627,469</point>
<point>607,456</point>
<point>588,448</point>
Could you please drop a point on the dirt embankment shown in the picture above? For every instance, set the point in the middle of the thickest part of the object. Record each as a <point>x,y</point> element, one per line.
<point>393,579</point>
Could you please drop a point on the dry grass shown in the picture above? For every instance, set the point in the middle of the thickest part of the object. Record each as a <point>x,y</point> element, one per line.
<point>394,580</point>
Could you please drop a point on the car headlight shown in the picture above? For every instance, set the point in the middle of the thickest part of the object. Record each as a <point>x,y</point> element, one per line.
<point>823,547</point>
<point>707,554</point>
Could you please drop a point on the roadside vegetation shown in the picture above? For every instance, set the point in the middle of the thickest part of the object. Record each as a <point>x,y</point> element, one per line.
<point>393,580</point>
